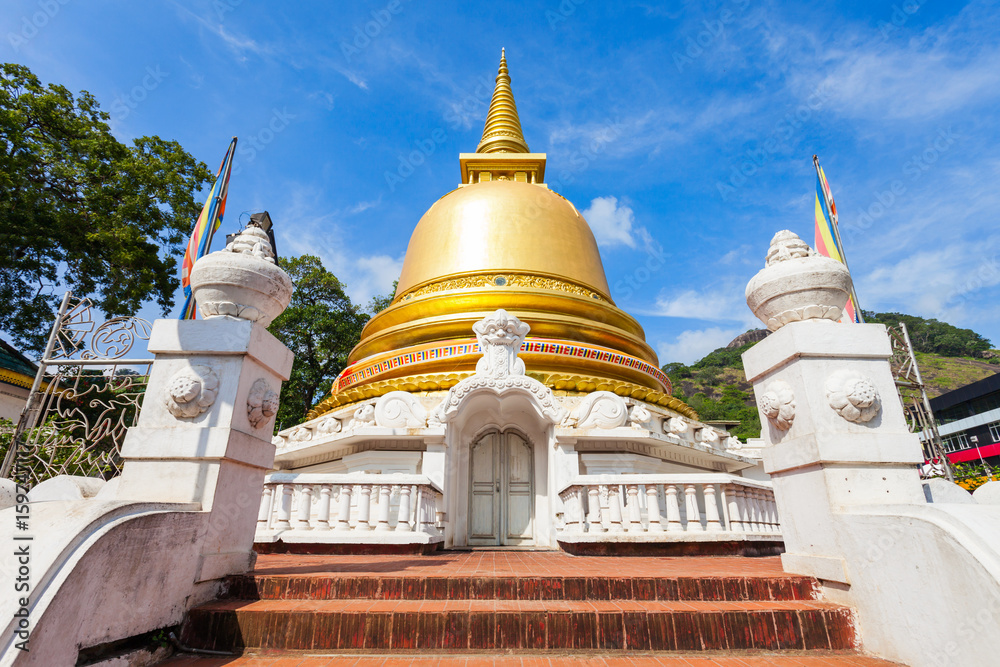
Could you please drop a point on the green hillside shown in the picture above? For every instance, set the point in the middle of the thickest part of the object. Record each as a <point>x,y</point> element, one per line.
<point>717,388</point>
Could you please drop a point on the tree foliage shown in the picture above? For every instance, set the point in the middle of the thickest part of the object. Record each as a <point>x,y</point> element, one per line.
<point>934,336</point>
<point>83,210</point>
<point>320,326</point>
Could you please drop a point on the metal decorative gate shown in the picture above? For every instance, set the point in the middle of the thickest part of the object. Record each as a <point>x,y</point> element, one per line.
<point>85,396</point>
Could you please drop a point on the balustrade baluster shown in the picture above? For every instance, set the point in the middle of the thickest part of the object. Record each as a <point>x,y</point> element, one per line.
<point>323,511</point>
<point>595,524</point>
<point>573,503</point>
<point>385,499</point>
<point>712,523</point>
<point>614,507</point>
<point>733,502</point>
<point>634,517</point>
<point>673,508</point>
<point>403,520</point>
<point>755,513</point>
<point>691,508</point>
<point>653,509</point>
<point>285,508</point>
<point>264,513</point>
<point>304,508</point>
<point>344,508</point>
<point>364,508</point>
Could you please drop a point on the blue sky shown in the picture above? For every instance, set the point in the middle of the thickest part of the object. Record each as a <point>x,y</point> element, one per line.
<point>683,131</point>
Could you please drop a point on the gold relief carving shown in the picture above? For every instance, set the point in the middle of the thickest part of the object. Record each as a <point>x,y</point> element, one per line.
<point>503,280</point>
<point>570,384</point>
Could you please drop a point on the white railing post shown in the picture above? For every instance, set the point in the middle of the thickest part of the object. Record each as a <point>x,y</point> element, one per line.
<point>573,509</point>
<point>614,507</point>
<point>344,508</point>
<point>304,508</point>
<point>403,520</point>
<point>323,515</point>
<point>673,508</point>
<point>711,510</point>
<point>595,523</point>
<point>691,508</point>
<point>653,509</point>
<point>732,500</point>
<point>385,498</point>
<point>754,504</point>
<point>364,508</point>
<point>285,508</point>
<point>634,517</point>
<point>264,513</point>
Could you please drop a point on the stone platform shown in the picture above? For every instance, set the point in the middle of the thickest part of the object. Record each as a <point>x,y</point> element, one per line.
<point>473,605</point>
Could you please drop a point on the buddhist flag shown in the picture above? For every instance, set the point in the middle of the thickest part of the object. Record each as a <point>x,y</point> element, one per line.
<point>208,223</point>
<point>828,236</point>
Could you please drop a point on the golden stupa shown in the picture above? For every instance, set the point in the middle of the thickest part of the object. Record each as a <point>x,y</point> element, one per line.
<point>502,239</point>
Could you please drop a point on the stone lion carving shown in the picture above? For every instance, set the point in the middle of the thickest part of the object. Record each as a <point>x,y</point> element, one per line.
<point>363,416</point>
<point>709,436</point>
<point>300,434</point>
<point>191,391</point>
<point>262,403</point>
<point>500,336</point>
<point>777,402</point>
<point>600,409</point>
<point>853,396</point>
<point>400,409</point>
<point>733,443</point>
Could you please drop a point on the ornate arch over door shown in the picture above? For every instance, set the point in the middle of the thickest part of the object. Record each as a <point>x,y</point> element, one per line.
<point>501,490</point>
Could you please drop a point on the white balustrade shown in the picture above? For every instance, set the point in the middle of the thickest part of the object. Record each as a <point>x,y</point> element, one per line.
<point>715,503</point>
<point>365,503</point>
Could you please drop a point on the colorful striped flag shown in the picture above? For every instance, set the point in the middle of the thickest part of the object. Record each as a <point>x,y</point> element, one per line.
<point>208,223</point>
<point>827,235</point>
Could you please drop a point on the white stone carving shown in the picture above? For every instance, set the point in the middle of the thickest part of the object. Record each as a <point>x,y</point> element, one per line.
<point>300,434</point>
<point>191,391</point>
<point>797,284</point>
<point>599,409</point>
<point>709,436</point>
<point>678,425</point>
<point>777,402</point>
<point>400,409</point>
<point>853,396</point>
<point>363,416</point>
<point>279,442</point>
<point>328,425</point>
<point>733,443</point>
<point>242,280</point>
<point>500,336</point>
<point>262,403</point>
<point>500,371</point>
<point>639,416</point>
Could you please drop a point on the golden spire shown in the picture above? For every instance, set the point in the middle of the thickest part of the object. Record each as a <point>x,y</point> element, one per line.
<point>502,133</point>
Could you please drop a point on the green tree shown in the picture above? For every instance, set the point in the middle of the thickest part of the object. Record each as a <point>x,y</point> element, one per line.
<point>380,302</point>
<point>83,210</point>
<point>320,326</point>
<point>935,336</point>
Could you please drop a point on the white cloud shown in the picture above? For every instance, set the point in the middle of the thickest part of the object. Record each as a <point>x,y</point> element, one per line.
<point>614,224</point>
<point>694,344</point>
<point>721,305</point>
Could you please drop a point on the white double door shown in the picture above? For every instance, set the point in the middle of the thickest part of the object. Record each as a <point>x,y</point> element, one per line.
<point>501,490</point>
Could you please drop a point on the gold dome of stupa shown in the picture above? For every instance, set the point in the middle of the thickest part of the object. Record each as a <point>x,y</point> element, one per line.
<point>502,239</point>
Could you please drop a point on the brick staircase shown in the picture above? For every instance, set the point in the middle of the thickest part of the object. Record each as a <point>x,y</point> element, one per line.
<point>473,605</point>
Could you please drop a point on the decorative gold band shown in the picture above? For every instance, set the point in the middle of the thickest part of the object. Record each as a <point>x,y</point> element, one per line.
<point>501,280</point>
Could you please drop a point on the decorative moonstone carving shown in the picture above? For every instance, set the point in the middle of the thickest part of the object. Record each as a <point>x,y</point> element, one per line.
<point>677,425</point>
<point>242,280</point>
<point>777,402</point>
<point>639,416</point>
<point>797,284</point>
<point>363,416</point>
<point>400,409</point>
<point>500,336</point>
<point>191,391</point>
<point>328,425</point>
<point>262,403</point>
<point>600,409</point>
<point>853,396</point>
<point>500,371</point>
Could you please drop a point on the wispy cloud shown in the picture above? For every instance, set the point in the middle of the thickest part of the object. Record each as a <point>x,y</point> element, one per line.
<point>613,223</point>
<point>694,344</point>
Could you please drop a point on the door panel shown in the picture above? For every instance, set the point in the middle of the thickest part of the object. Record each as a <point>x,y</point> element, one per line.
<point>485,508</point>
<point>501,490</point>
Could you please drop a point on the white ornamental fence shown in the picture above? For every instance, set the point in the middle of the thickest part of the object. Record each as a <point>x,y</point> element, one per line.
<point>393,508</point>
<point>676,506</point>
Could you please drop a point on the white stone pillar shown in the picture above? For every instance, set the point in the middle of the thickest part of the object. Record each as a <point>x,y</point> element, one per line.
<point>653,509</point>
<point>323,512</point>
<point>403,520</point>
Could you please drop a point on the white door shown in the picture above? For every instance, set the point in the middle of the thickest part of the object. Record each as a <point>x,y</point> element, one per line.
<point>501,491</point>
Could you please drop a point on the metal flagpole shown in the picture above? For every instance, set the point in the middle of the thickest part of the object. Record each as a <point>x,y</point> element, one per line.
<point>840,244</point>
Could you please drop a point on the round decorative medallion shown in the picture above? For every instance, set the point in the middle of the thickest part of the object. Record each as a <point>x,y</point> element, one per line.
<point>191,391</point>
<point>262,403</point>
<point>778,404</point>
<point>853,396</point>
<point>499,281</point>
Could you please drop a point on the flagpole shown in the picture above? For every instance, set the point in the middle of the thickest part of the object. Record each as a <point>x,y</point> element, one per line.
<point>836,231</point>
